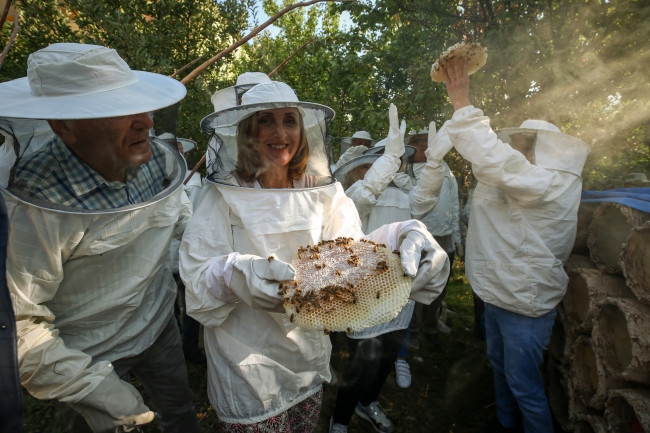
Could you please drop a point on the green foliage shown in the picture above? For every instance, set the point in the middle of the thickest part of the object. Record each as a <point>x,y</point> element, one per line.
<point>581,64</point>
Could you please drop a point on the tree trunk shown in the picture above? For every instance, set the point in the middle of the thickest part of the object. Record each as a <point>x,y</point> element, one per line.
<point>609,230</point>
<point>585,215</point>
<point>621,338</point>
<point>578,261</point>
<point>590,424</point>
<point>589,377</point>
<point>587,287</point>
<point>635,262</point>
<point>626,407</point>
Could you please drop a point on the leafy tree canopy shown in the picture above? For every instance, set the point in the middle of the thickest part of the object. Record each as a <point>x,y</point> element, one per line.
<point>580,64</point>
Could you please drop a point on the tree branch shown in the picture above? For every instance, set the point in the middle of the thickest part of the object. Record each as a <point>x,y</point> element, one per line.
<point>12,38</point>
<point>196,72</point>
<point>302,47</point>
<point>5,12</point>
<point>178,71</point>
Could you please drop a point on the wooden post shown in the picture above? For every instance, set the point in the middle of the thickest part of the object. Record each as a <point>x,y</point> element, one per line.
<point>590,379</point>
<point>625,407</point>
<point>621,338</point>
<point>635,262</point>
<point>609,230</point>
<point>586,288</point>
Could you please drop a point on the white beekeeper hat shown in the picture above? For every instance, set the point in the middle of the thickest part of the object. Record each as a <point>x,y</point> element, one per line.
<point>264,96</point>
<point>223,124</point>
<point>81,81</point>
<point>229,97</point>
<point>553,149</point>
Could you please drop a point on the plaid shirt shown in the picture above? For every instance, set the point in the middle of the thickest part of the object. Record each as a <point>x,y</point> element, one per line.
<point>56,174</point>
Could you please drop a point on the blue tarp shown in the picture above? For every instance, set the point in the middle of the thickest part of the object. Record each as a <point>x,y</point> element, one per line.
<point>637,198</point>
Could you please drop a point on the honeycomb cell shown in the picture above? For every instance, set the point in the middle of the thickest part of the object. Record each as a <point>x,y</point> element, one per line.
<point>342,285</point>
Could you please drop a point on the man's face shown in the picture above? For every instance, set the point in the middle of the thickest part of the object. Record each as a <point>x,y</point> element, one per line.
<point>420,142</point>
<point>525,144</point>
<point>116,142</point>
<point>361,142</point>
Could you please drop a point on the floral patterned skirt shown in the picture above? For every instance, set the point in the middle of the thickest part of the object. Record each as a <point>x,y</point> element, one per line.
<point>300,418</point>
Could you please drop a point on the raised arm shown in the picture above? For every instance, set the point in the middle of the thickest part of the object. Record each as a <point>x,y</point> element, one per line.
<point>495,163</point>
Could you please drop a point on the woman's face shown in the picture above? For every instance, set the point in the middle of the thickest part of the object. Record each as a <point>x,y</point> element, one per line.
<point>278,135</point>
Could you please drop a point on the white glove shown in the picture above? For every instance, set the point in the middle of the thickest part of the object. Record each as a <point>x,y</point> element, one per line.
<point>115,406</point>
<point>422,257</point>
<point>350,154</point>
<point>395,139</point>
<point>439,144</point>
<point>256,280</point>
<point>458,245</point>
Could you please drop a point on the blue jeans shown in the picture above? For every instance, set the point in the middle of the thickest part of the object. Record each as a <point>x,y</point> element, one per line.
<point>515,346</point>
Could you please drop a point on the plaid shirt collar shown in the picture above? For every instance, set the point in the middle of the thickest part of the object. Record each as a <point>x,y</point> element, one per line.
<point>82,178</point>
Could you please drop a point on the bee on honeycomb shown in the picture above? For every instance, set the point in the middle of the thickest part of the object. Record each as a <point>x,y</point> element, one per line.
<point>353,286</point>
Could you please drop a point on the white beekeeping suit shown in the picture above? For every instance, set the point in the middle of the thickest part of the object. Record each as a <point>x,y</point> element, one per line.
<point>380,202</point>
<point>522,223</point>
<point>444,218</point>
<point>259,363</point>
<point>90,283</point>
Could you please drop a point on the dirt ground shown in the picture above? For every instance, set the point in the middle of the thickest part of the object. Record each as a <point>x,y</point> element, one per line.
<point>452,389</point>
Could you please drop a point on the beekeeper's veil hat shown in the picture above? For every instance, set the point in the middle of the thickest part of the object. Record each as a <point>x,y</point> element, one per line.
<point>69,81</point>
<point>552,149</point>
<point>223,129</point>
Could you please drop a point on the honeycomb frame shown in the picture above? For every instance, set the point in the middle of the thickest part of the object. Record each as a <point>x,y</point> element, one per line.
<point>342,285</point>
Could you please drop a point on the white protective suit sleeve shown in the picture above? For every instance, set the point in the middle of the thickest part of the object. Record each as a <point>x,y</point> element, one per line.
<point>41,241</point>
<point>48,369</point>
<point>114,406</point>
<point>365,192</point>
<point>498,165</point>
<point>421,256</point>
<point>425,193</point>
<point>455,215</point>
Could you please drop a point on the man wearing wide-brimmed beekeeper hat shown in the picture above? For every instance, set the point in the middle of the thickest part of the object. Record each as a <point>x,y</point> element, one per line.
<point>522,226</point>
<point>94,199</point>
<point>353,147</point>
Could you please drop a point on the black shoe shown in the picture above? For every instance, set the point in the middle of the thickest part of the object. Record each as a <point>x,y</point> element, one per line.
<point>497,427</point>
<point>196,357</point>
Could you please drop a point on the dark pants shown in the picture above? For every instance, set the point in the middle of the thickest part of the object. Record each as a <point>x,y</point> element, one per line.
<point>371,360</point>
<point>190,328</point>
<point>426,317</point>
<point>161,371</point>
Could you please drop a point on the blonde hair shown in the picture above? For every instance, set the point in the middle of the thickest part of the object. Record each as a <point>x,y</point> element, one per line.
<point>250,166</point>
<point>352,176</point>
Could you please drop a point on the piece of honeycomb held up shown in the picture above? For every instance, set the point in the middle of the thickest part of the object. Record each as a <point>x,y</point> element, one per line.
<point>342,285</point>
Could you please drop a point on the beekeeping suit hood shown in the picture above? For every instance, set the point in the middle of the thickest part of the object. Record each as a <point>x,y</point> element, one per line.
<point>522,222</point>
<point>229,97</point>
<point>86,282</point>
<point>223,126</point>
<point>553,149</point>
